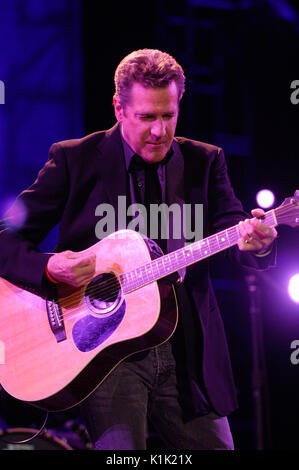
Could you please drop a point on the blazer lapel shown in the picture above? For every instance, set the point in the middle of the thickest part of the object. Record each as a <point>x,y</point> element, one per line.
<point>112,167</point>
<point>176,195</point>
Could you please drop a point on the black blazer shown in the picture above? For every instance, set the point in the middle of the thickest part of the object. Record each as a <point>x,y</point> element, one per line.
<point>82,173</point>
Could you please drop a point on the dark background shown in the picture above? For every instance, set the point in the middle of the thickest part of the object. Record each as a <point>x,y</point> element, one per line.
<point>57,62</point>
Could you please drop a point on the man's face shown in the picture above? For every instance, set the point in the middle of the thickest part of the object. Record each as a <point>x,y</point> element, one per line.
<point>148,121</point>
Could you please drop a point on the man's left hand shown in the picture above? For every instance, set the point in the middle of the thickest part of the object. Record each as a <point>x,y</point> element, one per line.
<point>255,236</point>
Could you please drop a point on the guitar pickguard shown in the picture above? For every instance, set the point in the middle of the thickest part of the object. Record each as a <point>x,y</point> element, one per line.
<point>90,331</point>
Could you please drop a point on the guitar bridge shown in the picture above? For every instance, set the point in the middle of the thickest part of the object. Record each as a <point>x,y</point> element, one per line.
<point>55,319</point>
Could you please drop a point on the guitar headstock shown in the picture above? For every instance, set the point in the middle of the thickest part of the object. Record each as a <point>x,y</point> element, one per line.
<point>288,212</point>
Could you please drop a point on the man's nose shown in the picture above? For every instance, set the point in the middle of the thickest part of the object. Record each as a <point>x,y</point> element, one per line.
<point>158,128</point>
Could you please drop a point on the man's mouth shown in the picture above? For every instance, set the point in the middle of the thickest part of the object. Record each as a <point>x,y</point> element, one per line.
<point>156,143</point>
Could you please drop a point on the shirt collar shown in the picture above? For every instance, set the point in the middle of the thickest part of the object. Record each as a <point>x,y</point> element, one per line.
<point>129,153</point>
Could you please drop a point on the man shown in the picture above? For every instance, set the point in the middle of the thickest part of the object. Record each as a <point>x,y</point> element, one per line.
<point>184,386</point>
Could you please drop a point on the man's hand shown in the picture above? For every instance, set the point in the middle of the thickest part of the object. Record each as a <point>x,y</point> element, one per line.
<point>255,236</point>
<point>75,269</point>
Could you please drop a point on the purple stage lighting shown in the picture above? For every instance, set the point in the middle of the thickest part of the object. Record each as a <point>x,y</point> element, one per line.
<point>15,214</point>
<point>265,198</point>
<point>294,288</point>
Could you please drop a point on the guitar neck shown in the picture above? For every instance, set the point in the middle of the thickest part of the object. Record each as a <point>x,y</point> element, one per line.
<point>186,256</point>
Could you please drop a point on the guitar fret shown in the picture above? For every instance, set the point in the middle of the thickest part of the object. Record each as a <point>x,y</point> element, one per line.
<point>205,245</point>
<point>222,239</point>
<point>188,254</point>
<point>232,234</point>
<point>196,251</point>
<point>155,269</point>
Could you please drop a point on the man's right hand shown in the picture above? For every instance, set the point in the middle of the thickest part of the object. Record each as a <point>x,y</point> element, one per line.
<point>75,269</point>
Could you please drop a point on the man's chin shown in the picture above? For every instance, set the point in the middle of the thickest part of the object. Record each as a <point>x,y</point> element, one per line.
<point>154,155</point>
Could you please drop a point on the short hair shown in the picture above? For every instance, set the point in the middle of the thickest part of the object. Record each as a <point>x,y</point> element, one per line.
<point>150,68</point>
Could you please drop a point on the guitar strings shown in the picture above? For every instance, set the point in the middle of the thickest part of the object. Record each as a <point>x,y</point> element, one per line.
<point>74,301</point>
<point>212,242</point>
<point>115,284</point>
<point>108,289</point>
<point>79,311</point>
<point>73,298</point>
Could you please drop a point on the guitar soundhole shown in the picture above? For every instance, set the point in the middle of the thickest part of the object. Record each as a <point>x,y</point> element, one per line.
<point>103,294</point>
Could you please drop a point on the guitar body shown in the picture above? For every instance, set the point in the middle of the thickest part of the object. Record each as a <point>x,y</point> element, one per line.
<point>55,360</point>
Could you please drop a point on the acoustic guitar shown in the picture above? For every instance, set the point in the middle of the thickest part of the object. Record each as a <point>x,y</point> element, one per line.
<point>55,351</point>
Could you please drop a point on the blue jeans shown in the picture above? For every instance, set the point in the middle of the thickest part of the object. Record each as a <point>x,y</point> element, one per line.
<point>145,387</point>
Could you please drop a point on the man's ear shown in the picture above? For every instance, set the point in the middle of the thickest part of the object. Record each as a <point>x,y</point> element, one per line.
<point>118,109</point>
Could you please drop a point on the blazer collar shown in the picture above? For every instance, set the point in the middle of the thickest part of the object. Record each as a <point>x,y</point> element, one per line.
<point>112,165</point>
<point>176,195</point>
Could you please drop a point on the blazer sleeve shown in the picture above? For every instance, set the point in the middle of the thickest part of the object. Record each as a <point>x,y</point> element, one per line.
<point>34,213</point>
<point>225,210</point>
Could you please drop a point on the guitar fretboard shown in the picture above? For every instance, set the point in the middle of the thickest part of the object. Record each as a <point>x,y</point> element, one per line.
<point>186,256</point>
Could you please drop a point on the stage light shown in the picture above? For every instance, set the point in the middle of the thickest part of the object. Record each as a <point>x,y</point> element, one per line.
<point>15,214</point>
<point>265,198</point>
<point>294,288</point>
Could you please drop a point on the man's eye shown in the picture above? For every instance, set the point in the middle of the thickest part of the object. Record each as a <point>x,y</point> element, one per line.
<point>168,116</point>
<point>146,118</point>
